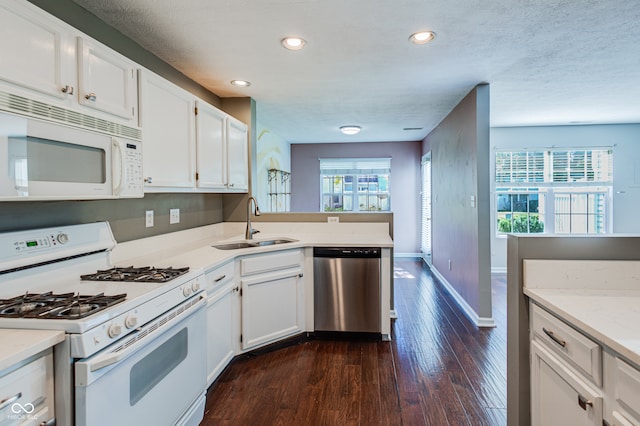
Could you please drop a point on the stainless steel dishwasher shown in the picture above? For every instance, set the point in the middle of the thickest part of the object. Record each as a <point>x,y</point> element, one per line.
<point>347,289</point>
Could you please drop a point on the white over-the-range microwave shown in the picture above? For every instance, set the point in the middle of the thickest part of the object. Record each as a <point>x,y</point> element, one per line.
<point>46,160</point>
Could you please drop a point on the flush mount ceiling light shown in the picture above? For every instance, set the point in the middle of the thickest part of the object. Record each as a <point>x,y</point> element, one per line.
<point>293,43</point>
<point>422,37</point>
<point>241,83</point>
<point>350,130</point>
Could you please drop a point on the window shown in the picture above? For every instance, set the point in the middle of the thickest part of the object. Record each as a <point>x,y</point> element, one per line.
<point>570,188</point>
<point>355,185</point>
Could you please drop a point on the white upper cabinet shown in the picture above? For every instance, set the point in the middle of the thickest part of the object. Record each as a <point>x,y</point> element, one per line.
<point>48,61</point>
<point>106,80</point>
<point>238,155</point>
<point>168,126</point>
<point>38,52</point>
<point>223,156</point>
<point>212,146</point>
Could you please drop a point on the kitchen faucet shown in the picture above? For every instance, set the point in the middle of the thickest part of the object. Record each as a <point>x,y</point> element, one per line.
<point>248,235</point>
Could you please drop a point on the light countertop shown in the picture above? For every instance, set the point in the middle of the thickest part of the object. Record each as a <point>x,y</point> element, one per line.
<point>193,248</point>
<point>602,298</point>
<point>18,345</point>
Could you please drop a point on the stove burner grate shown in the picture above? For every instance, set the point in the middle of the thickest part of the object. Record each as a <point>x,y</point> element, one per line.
<point>131,274</point>
<point>57,306</point>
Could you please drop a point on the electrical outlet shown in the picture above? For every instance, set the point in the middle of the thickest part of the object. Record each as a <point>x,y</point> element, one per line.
<point>333,219</point>
<point>148,216</point>
<point>174,216</point>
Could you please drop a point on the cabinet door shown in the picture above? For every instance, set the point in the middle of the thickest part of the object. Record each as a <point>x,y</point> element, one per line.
<point>106,80</point>
<point>271,308</point>
<point>558,396</point>
<point>238,155</point>
<point>37,51</point>
<point>220,331</point>
<point>212,148</point>
<point>167,121</point>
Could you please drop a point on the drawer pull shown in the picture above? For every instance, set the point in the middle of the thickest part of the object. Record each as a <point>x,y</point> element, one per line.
<point>583,402</point>
<point>217,280</point>
<point>554,338</point>
<point>5,402</point>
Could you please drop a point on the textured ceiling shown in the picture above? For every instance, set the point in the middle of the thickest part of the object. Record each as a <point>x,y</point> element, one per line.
<point>547,62</point>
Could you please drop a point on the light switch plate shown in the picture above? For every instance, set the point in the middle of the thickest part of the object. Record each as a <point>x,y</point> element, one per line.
<point>148,218</point>
<point>174,216</point>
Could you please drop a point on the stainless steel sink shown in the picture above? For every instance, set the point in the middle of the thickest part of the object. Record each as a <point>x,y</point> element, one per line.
<point>252,244</point>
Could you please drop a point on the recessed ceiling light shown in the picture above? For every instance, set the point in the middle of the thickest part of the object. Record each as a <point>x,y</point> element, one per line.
<point>422,37</point>
<point>350,130</point>
<point>241,83</point>
<point>293,43</point>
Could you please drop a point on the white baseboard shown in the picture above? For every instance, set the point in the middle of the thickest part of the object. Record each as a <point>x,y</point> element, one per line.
<point>468,310</point>
<point>408,255</point>
<point>499,270</point>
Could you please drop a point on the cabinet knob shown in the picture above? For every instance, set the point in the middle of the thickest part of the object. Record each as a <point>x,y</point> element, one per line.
<point>148,180</point>
<point>231,185</point>
<point>68,90</point>
<point>91,97</point>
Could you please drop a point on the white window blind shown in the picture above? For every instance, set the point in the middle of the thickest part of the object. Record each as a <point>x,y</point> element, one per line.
<point>355,166</point>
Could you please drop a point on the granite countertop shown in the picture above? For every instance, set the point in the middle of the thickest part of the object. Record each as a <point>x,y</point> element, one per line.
<point>601,298</point>
<point>18,345</point>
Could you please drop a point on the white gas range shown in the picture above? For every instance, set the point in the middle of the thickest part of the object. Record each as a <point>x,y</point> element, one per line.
<point>130,343</point>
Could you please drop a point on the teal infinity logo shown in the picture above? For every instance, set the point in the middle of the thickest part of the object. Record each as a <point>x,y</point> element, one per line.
<point>18,408</point>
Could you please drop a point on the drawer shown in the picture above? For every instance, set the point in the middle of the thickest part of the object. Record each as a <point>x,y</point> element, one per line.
<point>219,276</point>
<point>26,394</point>
<point>270,262</point>
<point>578,350</point>
<point>627,388</point>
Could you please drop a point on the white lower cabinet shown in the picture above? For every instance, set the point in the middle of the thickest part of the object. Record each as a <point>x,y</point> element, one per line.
<point>26,393</point>
<point>558,396</point>
<point>222,324</point>
<point>272,297</point>
<point>576,380</point>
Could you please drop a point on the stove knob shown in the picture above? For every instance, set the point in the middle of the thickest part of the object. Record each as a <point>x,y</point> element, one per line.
<point>62,238</point>
<point>186,291</point>
<point>195,286</point>
<point>114,330</point>
<point>131,321</point>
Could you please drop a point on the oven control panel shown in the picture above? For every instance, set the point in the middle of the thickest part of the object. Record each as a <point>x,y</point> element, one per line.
<point>41,242</point>
<point>27,248</point>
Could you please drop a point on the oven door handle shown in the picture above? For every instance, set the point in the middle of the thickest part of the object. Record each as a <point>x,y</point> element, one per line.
<point>106,359</point>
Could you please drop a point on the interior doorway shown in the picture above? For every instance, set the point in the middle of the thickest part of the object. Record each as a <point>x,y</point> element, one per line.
<point>425,239</point>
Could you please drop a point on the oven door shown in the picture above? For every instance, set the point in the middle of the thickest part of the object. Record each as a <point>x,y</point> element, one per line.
<point>157,379</point>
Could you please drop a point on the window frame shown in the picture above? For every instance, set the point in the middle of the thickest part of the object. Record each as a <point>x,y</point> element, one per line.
<point>352,177</point>
<point>581,176</point>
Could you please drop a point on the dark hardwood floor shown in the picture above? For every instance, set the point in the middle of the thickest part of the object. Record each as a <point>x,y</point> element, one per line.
<point>439,369</point>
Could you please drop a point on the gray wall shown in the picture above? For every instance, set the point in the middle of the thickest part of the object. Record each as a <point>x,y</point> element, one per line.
<point>626,168</point>
<point>126,216</point>
<point>404,182</point>
<point>544,247</point>
<point>460,170</point>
